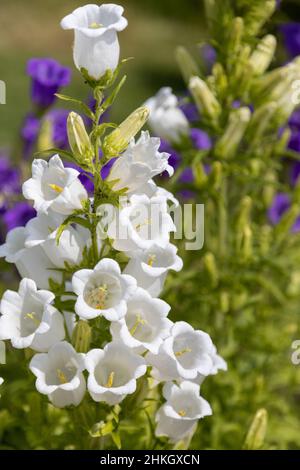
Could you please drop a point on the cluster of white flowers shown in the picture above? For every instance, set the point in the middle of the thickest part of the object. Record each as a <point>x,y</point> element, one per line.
<point>141,334</point>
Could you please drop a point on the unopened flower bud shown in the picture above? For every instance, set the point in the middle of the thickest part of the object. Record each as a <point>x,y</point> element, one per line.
<point>211,268</point>
<point>257,432</point>
<point>205,100</point>
<point>265,239</point>
<point>224,301</point>
<point>45,140</point>
<point>81,337</point>
<point>235,36</point>
<point>116,142</point>
<point>258,15</point>
<point>263,55</point>
<point>238,122</point>
<point>186,63</point>
<point>79,140</point>
<point>199,174</point>
<point>260,122</point>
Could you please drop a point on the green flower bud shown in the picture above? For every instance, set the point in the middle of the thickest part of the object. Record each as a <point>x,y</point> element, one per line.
<point>258,15</point>
<point>260,122</point>
<point>229,142</point>
<point>118,140</point>
<point>210,266</point>
<point>257,431</point>
<point>216,175</point>
<point>265,239</point>
<point>263,55</point>
<point>79,140</point>
<point>81,337</point>
<point>205,100</point>
<point>286,223</point>
<point>224,302</point>
<point>269,187</point>
<point>235,37</point>
<point>187,64</point>
<point>200,175</point>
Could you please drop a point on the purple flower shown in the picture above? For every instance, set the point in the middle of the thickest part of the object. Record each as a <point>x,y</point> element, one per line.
<point>10,182</point>
<point>29,133</point>
<point>174,159</point>
<point>189,110</point>
<point>200,139</point>
<point>187,176</point>
<point>85,180</point>
<point>291,38</point>
<point>281,203</point>
<point>294,173</point>
<point>58,119</point>
<point>294,143</point>
<point>209,56</point>
<point>48,76</point>
<point>294,120</point>
<point>18,215</point>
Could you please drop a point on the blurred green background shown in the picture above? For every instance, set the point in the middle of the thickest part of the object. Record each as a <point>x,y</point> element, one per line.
<point>31,29</point>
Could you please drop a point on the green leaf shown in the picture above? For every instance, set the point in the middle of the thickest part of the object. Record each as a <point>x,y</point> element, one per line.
<point>72,219</point>
<point>82,106</point>
<point>117,439</point>
<point>111,99</point>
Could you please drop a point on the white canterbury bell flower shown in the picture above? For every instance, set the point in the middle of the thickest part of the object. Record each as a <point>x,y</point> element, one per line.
<point>166,118</point>
<point>54,187</point>
<point>96,46</point>
<point>103,290</point>
<point>150,267</point>
<point>141,224</point>
<point>59,375</point>
<point>28,319</point>
<point>183,355</point>
<point>32,263</point>
<point>178,417</point>
<point>113,372</point>
<point>139,163</point>
<point>42,230</point>
<point>145,324</point>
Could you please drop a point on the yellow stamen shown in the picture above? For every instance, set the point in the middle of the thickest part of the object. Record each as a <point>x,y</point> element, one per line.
<point>56,188</point>
<point>95,25</point>
<point>32,316</point>
<point>139,226</point>
<point>151,260</point>
<point>182,413</point>
<point>139,321</point>
<point>183,351</point>
<point>110,380</point>
<point>98,297</point>
<point>61,376</point>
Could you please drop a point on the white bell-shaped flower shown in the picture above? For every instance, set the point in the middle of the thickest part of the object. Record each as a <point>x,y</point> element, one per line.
<point>59,374</point>
<point>42,230</point>
<point>139,163</point>
<point>183,355</point>
<point>28,319</point>
<point>178,417</point>
<point>166,118</point>
<point>113,372</point>
<point>141,224</point>
<point>150,267</point>
<point>103,290</point>
<point>145,324</point>
<point>54,187</point>
<point>32,263</point>
<point>96,46</point>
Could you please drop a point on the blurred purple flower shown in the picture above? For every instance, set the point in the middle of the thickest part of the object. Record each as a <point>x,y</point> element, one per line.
<point>58,118</point>
<point>29,133</point>
<point>294,173</point>
<point>10,181</point>
<point>291,38</point>
<point>189,110</point>
<point>294,120</point>
<point>18,215</point>
<point>187,176</point>
<point>209,56</point>
<point>200,139</point>
<point>281,203</point>
<point>174,159</point>
<point>48,76</point>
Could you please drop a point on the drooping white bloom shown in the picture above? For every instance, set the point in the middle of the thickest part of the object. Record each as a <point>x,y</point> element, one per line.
<point>183,355</point>
<point>59,374</point>
<point>178,417</point>
<point>28,319</point>
<point>54,187</point>
<point>113,372</point>
<point>42,230</point>
<point>218,363</point>
<point>103,290</point>
<point>150,267</point>
<point>32,263</point>
<point>141,224</point>
<point>145,324</point>
<point>139,163</point>
<point>166,119</point>
<point>96,46</point>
